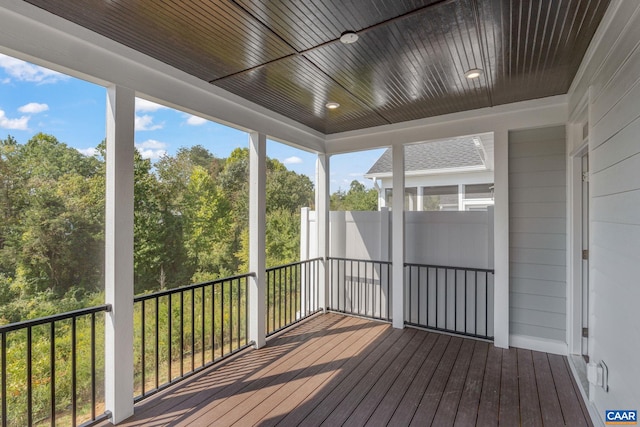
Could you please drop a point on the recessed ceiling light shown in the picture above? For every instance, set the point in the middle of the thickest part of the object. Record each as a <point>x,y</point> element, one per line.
<point>348,37</point>
<point>473,73</point>
<point>332,105</point>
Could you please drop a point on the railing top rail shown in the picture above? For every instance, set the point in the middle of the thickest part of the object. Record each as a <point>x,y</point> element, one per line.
<point>449,267</point>
<point>165,292</point>
<point>359,260</point>
<point>291,264</point>
<point>54,318</point>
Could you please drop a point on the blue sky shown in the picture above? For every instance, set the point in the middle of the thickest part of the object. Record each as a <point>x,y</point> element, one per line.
<point>34,99</point>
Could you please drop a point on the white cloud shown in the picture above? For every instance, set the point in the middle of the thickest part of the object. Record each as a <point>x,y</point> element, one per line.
<point>293,160</point>
<point>144,106</point>
<point>33,108</point>
<point>152,144</point>
<point>146,123</point>
<point>16,124</point>
<point>151,149</point>
<point>89,152</point>
<point>26,72</point>
<point>195,120</point>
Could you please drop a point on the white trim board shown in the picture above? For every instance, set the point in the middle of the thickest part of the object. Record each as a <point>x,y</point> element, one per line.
<point>538,344</point>
<point>543,112</point>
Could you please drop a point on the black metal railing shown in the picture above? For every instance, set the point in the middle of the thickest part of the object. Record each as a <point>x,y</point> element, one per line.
<point>360,287</point>
<point>181,331</point>
<point>292,293</point>
<point>53,369</point>
<point>451,299</point>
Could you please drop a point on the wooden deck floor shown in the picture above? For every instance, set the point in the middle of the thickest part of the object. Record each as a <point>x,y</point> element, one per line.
<point>335,370</point>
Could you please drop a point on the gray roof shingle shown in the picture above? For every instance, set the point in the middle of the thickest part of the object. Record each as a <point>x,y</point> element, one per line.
<point>442,154</point>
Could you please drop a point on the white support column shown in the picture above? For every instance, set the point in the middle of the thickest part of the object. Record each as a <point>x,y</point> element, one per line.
<point>501,239</point>
<point>397,257</point>
<point>420,198</point>
<point>119,253</point>
<point>257,230</point>
<point>322,226</point>
<point>461,196</point>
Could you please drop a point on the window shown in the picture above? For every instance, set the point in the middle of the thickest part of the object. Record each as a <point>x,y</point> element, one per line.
<point>442,198</point>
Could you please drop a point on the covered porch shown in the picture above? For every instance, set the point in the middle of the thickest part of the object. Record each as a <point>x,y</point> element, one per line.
<point>549,298</point>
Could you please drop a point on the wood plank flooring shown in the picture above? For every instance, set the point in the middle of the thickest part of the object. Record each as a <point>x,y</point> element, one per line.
<point>336,370</point>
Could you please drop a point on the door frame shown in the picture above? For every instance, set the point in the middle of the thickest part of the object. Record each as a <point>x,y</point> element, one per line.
<point>578,138</point>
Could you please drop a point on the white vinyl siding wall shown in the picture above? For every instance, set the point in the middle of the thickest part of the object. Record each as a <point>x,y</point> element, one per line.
<point>614,155</point>
<point>537,233</point>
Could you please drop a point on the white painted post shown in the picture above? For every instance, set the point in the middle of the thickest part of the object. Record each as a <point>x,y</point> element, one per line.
<point>461,189</point>
<point>420,198</point>
<point>397,299</point>
<point>501,239</point>
<point>257,229</point>
<point>322,226</point>
<point>119,253</point>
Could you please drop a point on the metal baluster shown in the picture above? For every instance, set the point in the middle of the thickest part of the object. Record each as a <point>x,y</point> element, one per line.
<point>52,364</point>
<point>170,332</point>
<point>29,377</point>
<point>157,343</point>
<point>93,366</point>
<point>74,379</point>
<point>202,332</point>
<point>193,329</point>
<point>4,380</point>
<point>181,333</point>
<point>142,344</point>
<point>238,305</point>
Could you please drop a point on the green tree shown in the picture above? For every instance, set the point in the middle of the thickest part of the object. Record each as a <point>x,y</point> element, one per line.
<point>286,192</point>
<point>358,198</point>
<point>206,225</point>
<point>53,213</point>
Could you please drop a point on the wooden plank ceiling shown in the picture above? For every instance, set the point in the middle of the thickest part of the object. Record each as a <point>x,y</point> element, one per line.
<point>408,63</point>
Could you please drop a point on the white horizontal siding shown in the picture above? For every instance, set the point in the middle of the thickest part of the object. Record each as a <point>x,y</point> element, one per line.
<point>539,194</point>
<point>537,238</point>
<point>538,256</point>
<point>626,144</point>
<point>619,177</point>
<point>540,240</point>
<point>614,156</point>
<point>538,287</point>
<point>532,225</point>
<point>517,328</point>
<point>536,179</point>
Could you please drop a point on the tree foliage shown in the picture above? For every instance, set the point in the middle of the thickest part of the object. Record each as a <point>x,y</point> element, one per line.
<point>190,220</point>
<point>358,198</point>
